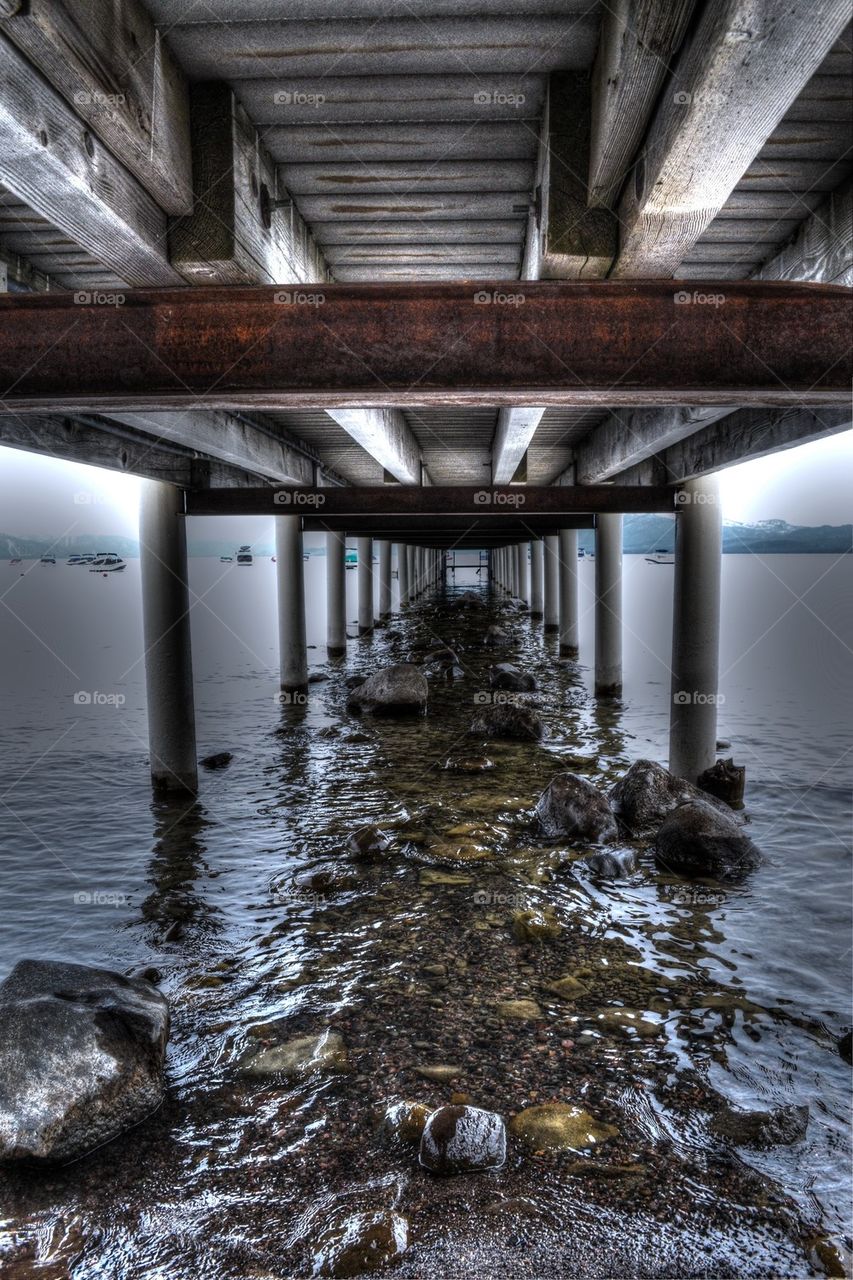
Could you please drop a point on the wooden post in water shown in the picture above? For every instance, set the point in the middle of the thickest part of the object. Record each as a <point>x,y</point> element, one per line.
<point>293,654</point>
<point>695,628</point>
<point>552,582</point>
<point>608,605</point>
<point>569,593</point>
<point>336,594</point>
<point>365,586</point>
<point>384,578</point>
<point>166,631</point>
<point>537,577</point>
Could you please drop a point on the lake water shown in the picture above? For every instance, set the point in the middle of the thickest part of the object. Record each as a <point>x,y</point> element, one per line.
<point>282,935</point>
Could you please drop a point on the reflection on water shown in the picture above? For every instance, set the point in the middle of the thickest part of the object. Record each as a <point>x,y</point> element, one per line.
<point>264,929</point>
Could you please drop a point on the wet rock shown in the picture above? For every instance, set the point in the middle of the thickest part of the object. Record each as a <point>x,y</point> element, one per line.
<point>535,926</point>
<point>495,636</point>
<point>647,793</point>
<point>507,720</point>
<point>368,844</point>
<point>81,1058</point>
<point>468,764</point>
<point>613,865</point>
<point>558,1126</point>
<point>146,974</point>
<point>300,1057</point>
<point>355,682</point>
<point>723,744</point>
<point>329,731</point>
<point>698,840</point>
<point>219,760</point>
<point>405,1121</point>
<point>441,1073</point>
<point>568,988</point>
<point>440,655</point>
<point>317,677</point>
<point>400,690</point>
<point>629,1022</point>
<point>467,600</point>
<point>572,807</point>
<point>726,781</point>
<point>522,1009</point>
<point>463,1140</point>
<point>506,676</point>
<point>845,1046</point>
<point>831,1255</point>
<point>780,1127</point>
<point>361,1242</point>
<point>356,737</point>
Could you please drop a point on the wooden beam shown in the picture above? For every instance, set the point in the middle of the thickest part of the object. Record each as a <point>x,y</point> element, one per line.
<point>387,437</point>
<point>508,504</point>
<point>571,241</point>
<point>378,346</point>
<point>51,161</point>
<point>109,62</point>
<point>636,50</point>
<point>741,437</point>
<point>236,440</point>
<point>821,251</point>
<point>105,444</point>
<point>514,432</point>
<point>739,73</point>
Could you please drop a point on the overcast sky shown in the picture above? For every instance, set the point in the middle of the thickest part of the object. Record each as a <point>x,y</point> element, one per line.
<point>43,497</point>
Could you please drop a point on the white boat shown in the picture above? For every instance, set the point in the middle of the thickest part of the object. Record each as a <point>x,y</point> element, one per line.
<point>107,562</point>
<point>226,559</point>
<point>585,555</point>
<point>244,555</point>
<point>85,557</point>
<point>47,559</point>
<point>661,556</point>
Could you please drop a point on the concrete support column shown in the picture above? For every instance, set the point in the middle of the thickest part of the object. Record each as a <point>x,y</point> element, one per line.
<point>569,593</point>
<point>365,586</point>
<point>515,562</point>
<point>384,578</point>
<point>696,629</point>
<point>403,573</point>
<point>292,651</point>
<point>166,633</point>
<point>336,594</point>
<point>537,578</point>
<point>552,583</point>
<point>608,605</point>
<point>522,551</point>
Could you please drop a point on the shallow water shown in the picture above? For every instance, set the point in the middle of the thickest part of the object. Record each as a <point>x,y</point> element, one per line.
<point>748,986</point>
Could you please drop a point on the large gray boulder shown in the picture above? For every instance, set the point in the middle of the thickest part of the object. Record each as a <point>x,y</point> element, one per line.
<point>465,1139</point>
<point>643,797</point>
<point>400,690</point>
<point>700,840</point>
<point>505,675</point>
<point>81,1058</point>
<point>572,808</point>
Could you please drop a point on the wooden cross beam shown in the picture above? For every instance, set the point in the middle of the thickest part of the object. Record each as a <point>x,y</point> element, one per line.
<point>375,346</point>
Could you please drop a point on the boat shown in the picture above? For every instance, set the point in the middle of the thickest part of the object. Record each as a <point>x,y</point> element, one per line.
<point>16,560</point>
<point>585,555</point>
<point>107,562</point>
<point>85,557</point>
<point>47,559</point>
<point>226,559</point>
<point>661,556</point>
<point>244,555</point>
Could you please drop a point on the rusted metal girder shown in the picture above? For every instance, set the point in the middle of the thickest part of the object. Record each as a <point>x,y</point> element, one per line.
<point>507,343</point>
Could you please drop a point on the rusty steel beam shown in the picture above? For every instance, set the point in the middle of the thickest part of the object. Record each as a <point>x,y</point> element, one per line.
<point>519,343</point>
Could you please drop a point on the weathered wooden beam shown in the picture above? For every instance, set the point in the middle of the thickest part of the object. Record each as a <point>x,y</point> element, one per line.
<point>51,161</point>
<point>741,437</point>
<point>387,437</point>
<point>636,50</point>
<point>234,439</point>
<point>503,503</point>
<point>105,444</point>
<point>109,62</point>
<point>821,251</point>
<point>572,241</point>
<point>514,432</point>
<point>741,69</point>
<point>649,342</point>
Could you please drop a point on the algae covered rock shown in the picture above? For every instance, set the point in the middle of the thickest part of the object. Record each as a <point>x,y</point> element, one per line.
<point>570,807</point>
<point>559,1126</point>
<point>361,1242</point>
<point>301,1057</point>
<point>699,840</point>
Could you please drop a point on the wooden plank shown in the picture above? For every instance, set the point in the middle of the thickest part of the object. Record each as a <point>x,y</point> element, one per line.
<point>415,141</point>
<point>431,206</point>
<point>190,12</point>
<point>392,345</point>
<point>822,248</point>
<point>414,256</point>
<point>236,234</point>
<point>514,433</point>
<point>110,64</point>
<point>55,165</point>
<point>485,231</point>
<point>737,76</point>
<point>411,178</point>
<point>387,437</point>
<point>505,503</point>
<point>636,51</point>
<point>99,443</point>
<point>399,46</point>
<point>570,240</point>
<point>391,99</point>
